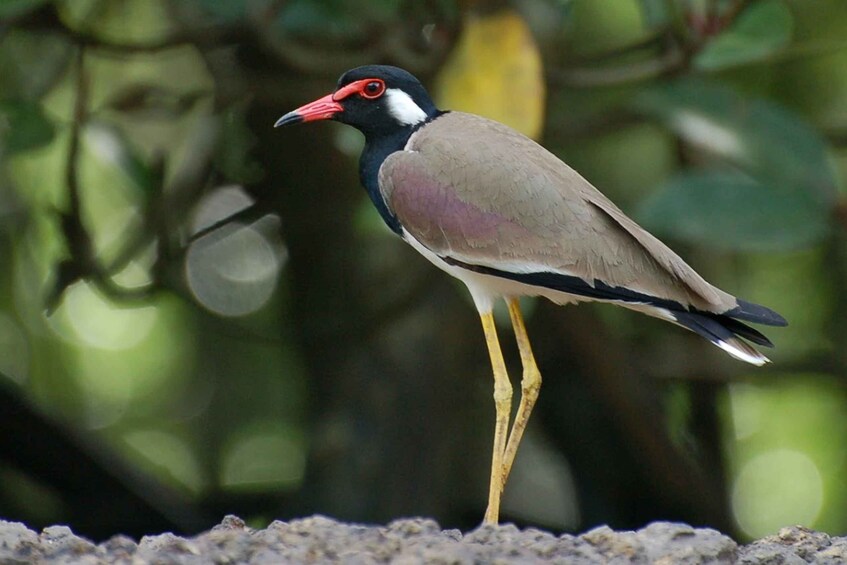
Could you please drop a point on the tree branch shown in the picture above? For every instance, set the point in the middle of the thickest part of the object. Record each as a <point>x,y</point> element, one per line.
<point>83,263</point>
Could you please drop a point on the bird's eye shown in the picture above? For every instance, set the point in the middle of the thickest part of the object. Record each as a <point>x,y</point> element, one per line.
<point>373,89</point>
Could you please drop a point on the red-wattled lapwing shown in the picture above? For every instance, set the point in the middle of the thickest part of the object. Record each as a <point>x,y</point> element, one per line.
<point>505,216</point>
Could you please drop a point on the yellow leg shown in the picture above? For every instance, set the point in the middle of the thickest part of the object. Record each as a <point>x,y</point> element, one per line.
<point>503,407</point>
<point>530,387</point>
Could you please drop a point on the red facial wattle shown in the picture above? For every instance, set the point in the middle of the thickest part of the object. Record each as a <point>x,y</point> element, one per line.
<point>329,106</point>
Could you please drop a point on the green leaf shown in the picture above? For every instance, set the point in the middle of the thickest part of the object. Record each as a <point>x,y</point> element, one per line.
<point>12,8</point>
<point>23,126</point>
<point>228,11</point>
<point>335,18</point>
<point>732,211</point>
<point>31,63</point>
<point>656,12</point>
<point>109,145</point>
<point>763,28</point>
<point>124,22</point>
<point>234,158</point>
<point>769,142</point>
<point>153,101</point>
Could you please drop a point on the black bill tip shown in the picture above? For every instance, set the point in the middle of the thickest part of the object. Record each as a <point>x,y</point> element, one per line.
<point>290,118</point>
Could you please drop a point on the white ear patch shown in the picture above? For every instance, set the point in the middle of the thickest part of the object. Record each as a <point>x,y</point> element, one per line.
<point>402,108</point>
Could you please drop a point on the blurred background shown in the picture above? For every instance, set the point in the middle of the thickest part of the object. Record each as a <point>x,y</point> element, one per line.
<point>201,315</point>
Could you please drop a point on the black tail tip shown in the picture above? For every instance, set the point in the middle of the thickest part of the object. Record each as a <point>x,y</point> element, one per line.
<point>756,313</point>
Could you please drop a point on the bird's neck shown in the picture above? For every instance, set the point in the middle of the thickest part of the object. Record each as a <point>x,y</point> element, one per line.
<point>377,148</point>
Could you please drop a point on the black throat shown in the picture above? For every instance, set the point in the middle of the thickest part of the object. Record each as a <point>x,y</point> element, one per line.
<point>378,146</point>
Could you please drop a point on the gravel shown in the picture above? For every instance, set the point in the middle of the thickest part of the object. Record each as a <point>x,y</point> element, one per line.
<point>323,540</point>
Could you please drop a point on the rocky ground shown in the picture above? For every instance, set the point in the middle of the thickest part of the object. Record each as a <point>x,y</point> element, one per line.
<point>322,540</point>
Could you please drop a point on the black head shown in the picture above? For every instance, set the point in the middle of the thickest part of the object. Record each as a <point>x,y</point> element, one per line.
<point>376,99</point>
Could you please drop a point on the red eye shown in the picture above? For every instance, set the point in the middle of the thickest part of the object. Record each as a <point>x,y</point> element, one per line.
<point>373,89</point>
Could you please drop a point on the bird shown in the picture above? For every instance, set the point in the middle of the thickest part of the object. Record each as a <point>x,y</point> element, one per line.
<point>508,218</point>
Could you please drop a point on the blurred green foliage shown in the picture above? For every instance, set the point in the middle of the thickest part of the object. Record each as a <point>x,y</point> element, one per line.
<point>229,323</point>
<point>763,29</point>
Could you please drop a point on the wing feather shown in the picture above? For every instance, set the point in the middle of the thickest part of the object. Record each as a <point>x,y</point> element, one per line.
<point>477,192</point>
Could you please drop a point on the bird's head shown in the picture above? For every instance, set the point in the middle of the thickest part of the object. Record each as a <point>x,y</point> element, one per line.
<point>375,99</point>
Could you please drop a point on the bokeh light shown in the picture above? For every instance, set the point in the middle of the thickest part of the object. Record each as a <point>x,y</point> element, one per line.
<point>259,457</point>
<point>117,353</point>
<point>775,489</point>
<point>232,271</point>
<point>14,350</point>
<point>103,325</point>
<point>786,447</point>
<point>166,451</point>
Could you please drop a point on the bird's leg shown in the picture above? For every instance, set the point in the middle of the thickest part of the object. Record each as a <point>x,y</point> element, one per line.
<point>503,407</point>
<point>530,386</point>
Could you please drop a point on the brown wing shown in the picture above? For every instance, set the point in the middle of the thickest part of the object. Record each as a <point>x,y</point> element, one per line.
<point>475,191</point>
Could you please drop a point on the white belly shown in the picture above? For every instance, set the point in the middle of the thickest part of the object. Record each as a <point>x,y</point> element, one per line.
<point>485,289</point>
